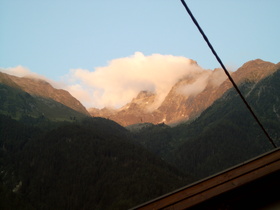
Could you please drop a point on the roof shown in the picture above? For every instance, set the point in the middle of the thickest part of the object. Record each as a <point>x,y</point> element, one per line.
<point>218,184</point>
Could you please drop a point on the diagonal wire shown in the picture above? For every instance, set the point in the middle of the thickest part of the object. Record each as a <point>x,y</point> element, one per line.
<point>226,71</point>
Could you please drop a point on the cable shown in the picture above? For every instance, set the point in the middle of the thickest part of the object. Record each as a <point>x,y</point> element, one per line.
<point>226,71</point>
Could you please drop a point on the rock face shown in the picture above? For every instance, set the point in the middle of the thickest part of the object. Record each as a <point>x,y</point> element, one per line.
<point>38,87</point>
<point>137,111</point>
<point>187,98</point>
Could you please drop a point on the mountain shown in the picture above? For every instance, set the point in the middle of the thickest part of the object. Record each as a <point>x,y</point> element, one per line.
<point>37,98</point>
<point>228,133</point>
<point>39,87</point>
<point>180,105</point>
<point>93,164</point>
<point>225,134</point>
<point>135,112</point>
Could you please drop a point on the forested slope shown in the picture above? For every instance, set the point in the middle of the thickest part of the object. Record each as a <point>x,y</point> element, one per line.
<point>93,164</point>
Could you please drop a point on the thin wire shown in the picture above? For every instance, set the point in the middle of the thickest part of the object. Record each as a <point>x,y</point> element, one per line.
<point>227,73</point>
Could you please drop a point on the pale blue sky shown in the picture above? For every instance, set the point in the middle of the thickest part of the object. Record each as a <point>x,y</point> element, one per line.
<point>51,37</point>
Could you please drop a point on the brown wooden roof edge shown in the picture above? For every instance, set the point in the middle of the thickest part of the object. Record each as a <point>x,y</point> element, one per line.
<point>218,183</point>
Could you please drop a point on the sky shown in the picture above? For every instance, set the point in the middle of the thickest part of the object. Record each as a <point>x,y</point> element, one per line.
<point>85,44</point>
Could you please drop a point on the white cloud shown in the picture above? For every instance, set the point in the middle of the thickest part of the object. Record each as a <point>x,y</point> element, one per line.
<point>197,85</point>
<point>116,84</point>
<point>218,77</point>
<point>19,71</point>
<point>81,94</point>
<point>198,82</point>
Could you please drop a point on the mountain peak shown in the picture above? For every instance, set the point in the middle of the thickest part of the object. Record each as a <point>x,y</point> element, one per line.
<point>144,94</point>
<point>254,70</point>
<point>145,97</point>
<point>257,62</point>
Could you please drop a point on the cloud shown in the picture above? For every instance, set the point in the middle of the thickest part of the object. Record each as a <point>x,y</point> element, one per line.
<point>116,84</point>
<point>198,82</point>
<point>83,95</point>
<point>196,85</point>
<point>217,77</point>
<point>19,71</point>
